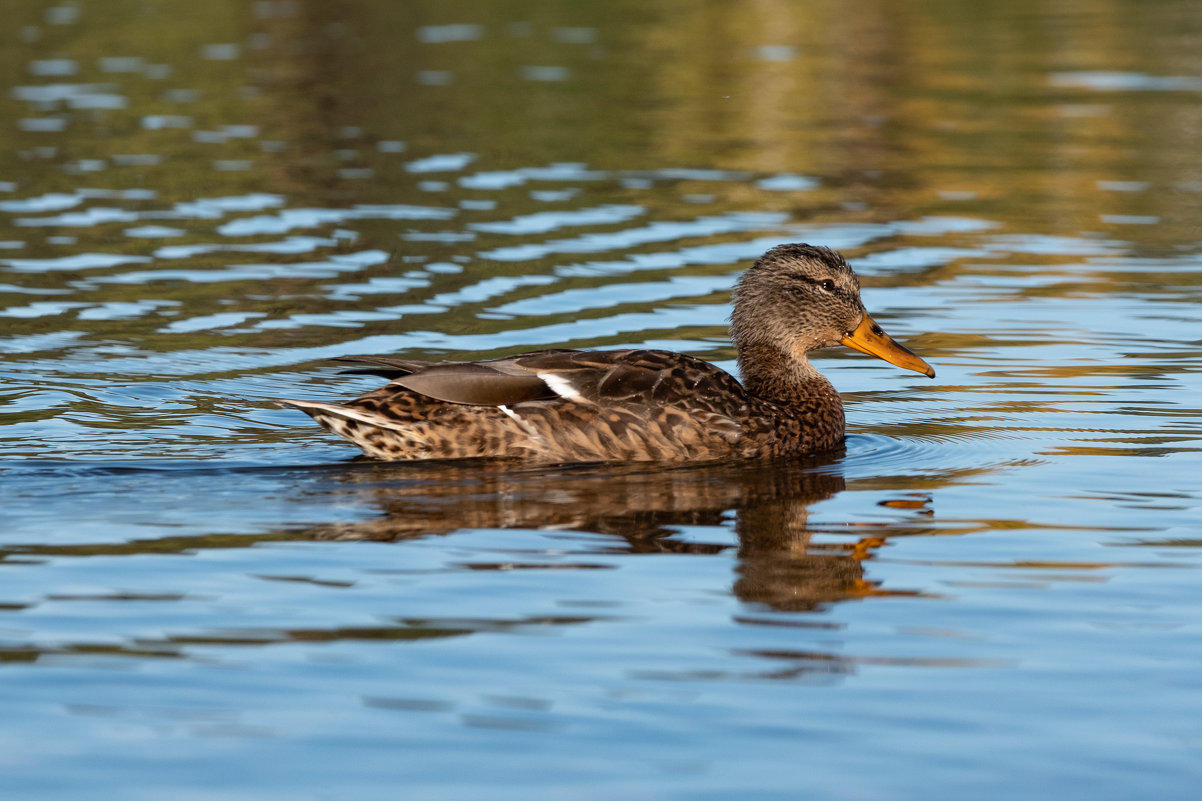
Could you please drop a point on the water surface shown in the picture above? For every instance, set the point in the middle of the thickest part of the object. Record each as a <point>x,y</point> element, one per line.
<point>989,593</point>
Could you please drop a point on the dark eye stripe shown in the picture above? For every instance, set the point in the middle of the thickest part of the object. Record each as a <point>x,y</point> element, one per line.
<point>824,283</point>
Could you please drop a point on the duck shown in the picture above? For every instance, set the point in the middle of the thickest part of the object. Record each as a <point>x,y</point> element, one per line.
<point>636,405</point>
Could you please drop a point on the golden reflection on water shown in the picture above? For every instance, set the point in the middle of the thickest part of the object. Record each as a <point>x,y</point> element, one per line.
<point>841,90</point>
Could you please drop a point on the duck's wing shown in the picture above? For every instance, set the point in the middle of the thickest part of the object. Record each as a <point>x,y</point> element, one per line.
<point>649,378</point>
<point>632,377</point>
<point>488,383</point>
<point>599,378</point>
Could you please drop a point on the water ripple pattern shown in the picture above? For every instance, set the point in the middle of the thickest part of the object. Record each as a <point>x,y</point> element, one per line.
<point>990,592</point>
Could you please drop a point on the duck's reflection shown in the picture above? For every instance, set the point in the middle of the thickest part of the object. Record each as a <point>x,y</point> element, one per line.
<point>643,507</point>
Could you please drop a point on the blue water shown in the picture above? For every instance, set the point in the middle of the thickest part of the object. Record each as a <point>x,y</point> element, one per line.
<point>991,593</point>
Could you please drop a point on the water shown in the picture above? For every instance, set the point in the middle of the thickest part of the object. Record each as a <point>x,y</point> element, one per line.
<point>990,593</point>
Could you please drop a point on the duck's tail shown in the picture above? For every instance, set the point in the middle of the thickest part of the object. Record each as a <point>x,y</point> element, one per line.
<point>319,411</point>
<point>377,435</point>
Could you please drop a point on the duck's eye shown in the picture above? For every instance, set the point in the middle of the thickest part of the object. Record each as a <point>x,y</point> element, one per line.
<point>827,285</point>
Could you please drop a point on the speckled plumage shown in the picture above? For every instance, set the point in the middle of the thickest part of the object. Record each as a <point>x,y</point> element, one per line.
<point>636,405</point>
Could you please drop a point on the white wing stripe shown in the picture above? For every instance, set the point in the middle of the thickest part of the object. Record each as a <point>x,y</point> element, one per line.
<point>562,387</point>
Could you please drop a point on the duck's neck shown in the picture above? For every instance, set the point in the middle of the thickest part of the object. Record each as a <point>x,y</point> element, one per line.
<point>788,380</point>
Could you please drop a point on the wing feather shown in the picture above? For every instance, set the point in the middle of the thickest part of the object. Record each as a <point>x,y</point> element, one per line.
<point>646,379</point>
<point>476,384</point>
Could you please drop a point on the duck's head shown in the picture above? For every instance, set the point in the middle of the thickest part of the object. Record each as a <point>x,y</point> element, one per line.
<point>798,298</point>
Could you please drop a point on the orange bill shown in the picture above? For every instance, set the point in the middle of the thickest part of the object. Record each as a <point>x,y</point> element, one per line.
<point>871,339</point>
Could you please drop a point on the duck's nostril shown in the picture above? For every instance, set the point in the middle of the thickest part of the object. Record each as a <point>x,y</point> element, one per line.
<point>876,329</point>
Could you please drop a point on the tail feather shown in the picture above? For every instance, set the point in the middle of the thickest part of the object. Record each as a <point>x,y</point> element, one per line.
<point>378,436</point>
<point>318,410</point>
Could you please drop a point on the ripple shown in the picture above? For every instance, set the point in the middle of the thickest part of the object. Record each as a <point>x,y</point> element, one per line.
<point>553,195</point>
<point>80,261</point>
<point>223,51</point>
<point>736,252</point>
<point>31,290</point>
<point>489,288</point>
<point>35,343</point>
<point>889,453</point>
<point>292,244</point>
<point>969,453</point>
<point>440,34</point>
<point>131,64</point>
<point>336,264</point>
<point>446,162</point>
<point>545,221</point>
<point>255,201</point>
<point>788,182</point>
<point>52,201</point>
<point>124,310</point>
<point>1056,245</point>
<point>53,66</point>
<point>914,258</point>
<point>545,74</point>
<point>780,53</point>
<point>632,237</point>
<point>687,174</point>
<point>1102,81</point>
<point>503,179</point>
<point>136,159</point>
<point>575,35</point>
<point>97,215</point>
<point>208,322</point>
<point>379,285</point>
<point>313,218</point>
<point>938,225</point>
<point>158,122</point>
<point>618,295</point>
<point>153,232</point>
<point>98,100</point>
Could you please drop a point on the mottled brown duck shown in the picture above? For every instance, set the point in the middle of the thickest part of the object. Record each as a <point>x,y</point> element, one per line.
<point>636,405</point>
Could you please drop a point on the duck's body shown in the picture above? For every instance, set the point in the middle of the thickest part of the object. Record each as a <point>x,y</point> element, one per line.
<point>636,405</point>
<point>577,406</point>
